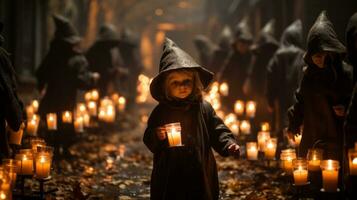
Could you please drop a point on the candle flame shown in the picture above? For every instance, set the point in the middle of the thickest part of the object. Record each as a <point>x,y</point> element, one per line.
<point>42,159</point>
<point>354,161</point>
<point>2,195</point>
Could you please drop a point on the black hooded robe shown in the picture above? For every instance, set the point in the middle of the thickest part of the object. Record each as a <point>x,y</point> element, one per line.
<point>351,37</point>
<point>188,172</point>
<point>319,91</point>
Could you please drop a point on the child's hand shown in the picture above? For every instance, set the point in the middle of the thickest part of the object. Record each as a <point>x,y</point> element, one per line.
<point>161,132</point>
<point>233,150</point>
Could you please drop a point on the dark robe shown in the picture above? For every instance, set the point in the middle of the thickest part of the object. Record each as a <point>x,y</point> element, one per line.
<point>188,172</point>
<point>351,36</point>
<point>319,91</point>
<point>351,121</point>
<point>11,109</point>
<point>284,73</point>
<point>204,48</point>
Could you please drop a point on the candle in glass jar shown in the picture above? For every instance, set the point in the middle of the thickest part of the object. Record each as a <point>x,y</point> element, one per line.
<point>250,109</point>
<point>78,125</point>
<point>270,148</point>
<point>43,165</point>
<point>67,117</point>
<point>300,176</point>
<point>329,175</point>
<point>173,131</point>
<point>35,105</point>
<point>86,120</point>
<point>245,127</point>
<point>265,126</point>
<point>224,89</point>
<point>37,142</point>
<point>110,114</point>
<point>51,121</point>
<point>95,95</point>
<point>25,164</point>
<point>235,128</point>
<point>32,127</point>
<point>92,108</point>
<point>262,137</point>
<point>252,151</point>
<point>230,119</point>
<point>287,156</point>
<point>314,157</point>
<point>352,160</point>
<point>29,111</point>
<point>81,109</point>
<point>239,107</point>
<point>121,103</point>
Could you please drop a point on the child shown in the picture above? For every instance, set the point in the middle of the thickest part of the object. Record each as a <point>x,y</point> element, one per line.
<point>189,171</point>
<point>324,92</point>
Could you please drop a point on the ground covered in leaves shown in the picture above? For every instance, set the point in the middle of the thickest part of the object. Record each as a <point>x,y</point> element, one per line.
<point>100,170</point>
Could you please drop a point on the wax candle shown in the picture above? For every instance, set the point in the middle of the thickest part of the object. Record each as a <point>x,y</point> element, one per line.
<point>230,119</point>
<point>300,172</point>
<point>239,107</point>
<point>287,156</point>
<point>216,104</point>
<point>32,126</point>
<point>88,96</point>
<point>121,103</point>
<point>252,151</point>
<point>110,114</point>
<point>173,131</point>
<point>270,148</point>
<point>314,157</point>
<point>92,108</point>
<point>115,97</point>
<point>224,89</point>
<point>95,95</point>
<point>265,126</point>
<point>352,160</point>
<point>35,105</point>
<point>235,128</point>
<point>330,175</point>
<point>262,137</point>
<point>79,125</point>
<point>29,111</point>
<point>43,165</point>
<point>81,109</point>
<point>51,121</point>
<point>245,127</point>
<point>25,163</point>
<point>67,117</point>
<point>251,108</point>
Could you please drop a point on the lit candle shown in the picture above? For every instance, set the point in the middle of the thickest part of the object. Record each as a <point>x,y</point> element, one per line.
<point>297,138</point>
<point>35,105</point>
<point>5,184</point>
<point>32,126</point>
<point>115,97</point>
<point>352,159</point>
<point>86,120</point>
<point>110,114</point>
<point>25,164</point>
<point>265,126</point>
<point>16,137</point>
<point>78,125</point>
<point>287,156</point>
<point>37,142</point>
<point>314,157</point>
<point>252,151</point>
<point>67,117</point>
<point>235,128</point>
<point>329,175</point>
<point>270,148</point>
<point>102,114</point>
<point>81,109</point>
<point>92,108</point>
<point>224,89</point>
<point>245,127</point>
<point>173,131</point>
<point>239,107</point>
<point>251,108</point>
<point>11,167</point>
<point>51,121</point>
<point>216,104</point>
<point>29,111</point>
<point>300,172</point>
<point>88,96</point>
<point>262,137</point>
<point>43,165</point>
<point>95,95</point>
<point>230,119</point>
<point>121,103</point>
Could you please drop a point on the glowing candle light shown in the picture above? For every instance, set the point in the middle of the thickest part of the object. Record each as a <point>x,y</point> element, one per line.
<point>35,105</point>
<point>86,120</point>
<point>224,89</point>
<point>121,103</point>
<point>251,108</point>
<point>314,157</point>
<point>352,159</point>
<point>262,137</point>
<point>42,165</point>
<point>32,125</point>
<point>265,126</point>
<point>300,172</point>
<point>330,175</point>
<point>235,128</point>
<point>239,107</point>
<point>245,127</point>
<point>252,151</point>
<point>67,117</point>
<point>95,95</point>
<point>79,124</point>
<point>30,111</point>
<point>51,121</point>
<point>287,156</point>
<point>173,131</point>
<point>270,148</point>
<point>25,164</point>
<point>92,108</point>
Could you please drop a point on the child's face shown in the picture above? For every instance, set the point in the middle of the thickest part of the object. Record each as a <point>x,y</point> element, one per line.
<point>319,59</point>
<point>180,84</point>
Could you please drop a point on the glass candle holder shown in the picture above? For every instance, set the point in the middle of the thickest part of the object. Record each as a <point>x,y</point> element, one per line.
<point>45,149</point>
<point>230,119</point>
<point>37,142</point>
<point>5,184</point>
<point>92,108</point>
<point>67,117</point>
<point>51,121</point>
<point>270,148</point>
<point>43,165</point>
<point>314,157</point>
<point>25,164</point>
<point>29,111</point>
<point>35,105</point>
<point>81,109</point>
<point>239,107</point>
<point>121,103</point>
<point>262,137</point>
<point>224,89</point>
<point>252,151</point>
<point>79,125</point>
<point>235,128</point>
<point>330,175</point>
<point>251,108</point>
<point>245,127</point>
<point>265,126</point>
<point>352,161</point>
<point>11,166</point>
<point>287,156</point>
<point>300,171</point>
<point>94,95</point>
<point>173,131</point>
<point>32,125</point>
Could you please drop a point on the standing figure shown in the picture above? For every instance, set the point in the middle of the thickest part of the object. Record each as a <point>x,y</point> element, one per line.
<point>186,172</point>
<point>11,111</point>
<point>351,42</point>
<point>323,94</point>
<point>205,48</point>
<point>62,72</point>
<point>103,57</point>
<point>284,73</point>
<point>235,71</point>
<point>221,52</point>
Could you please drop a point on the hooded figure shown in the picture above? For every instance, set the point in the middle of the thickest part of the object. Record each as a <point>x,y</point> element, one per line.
<point>103,57</point>
<point>235,70</point>
<point>284,73</point>
<point>323,92</point>
<point>221,52</point>
<point>61,73</point>
<point>186,172</point>
<point>11,110</point>
<point>263,51</point>
<point>351,41</point>
<point>129,52</point>
<point>205,48</point>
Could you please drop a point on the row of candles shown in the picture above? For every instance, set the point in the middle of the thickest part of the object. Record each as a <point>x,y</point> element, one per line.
<point>35,161</point>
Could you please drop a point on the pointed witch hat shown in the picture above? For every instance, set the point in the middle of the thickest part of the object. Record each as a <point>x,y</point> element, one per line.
<point>65,30</point>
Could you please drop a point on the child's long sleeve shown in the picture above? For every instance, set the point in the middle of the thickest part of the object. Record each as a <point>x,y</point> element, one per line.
<point>150,139</point>
<point>220,135</point>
